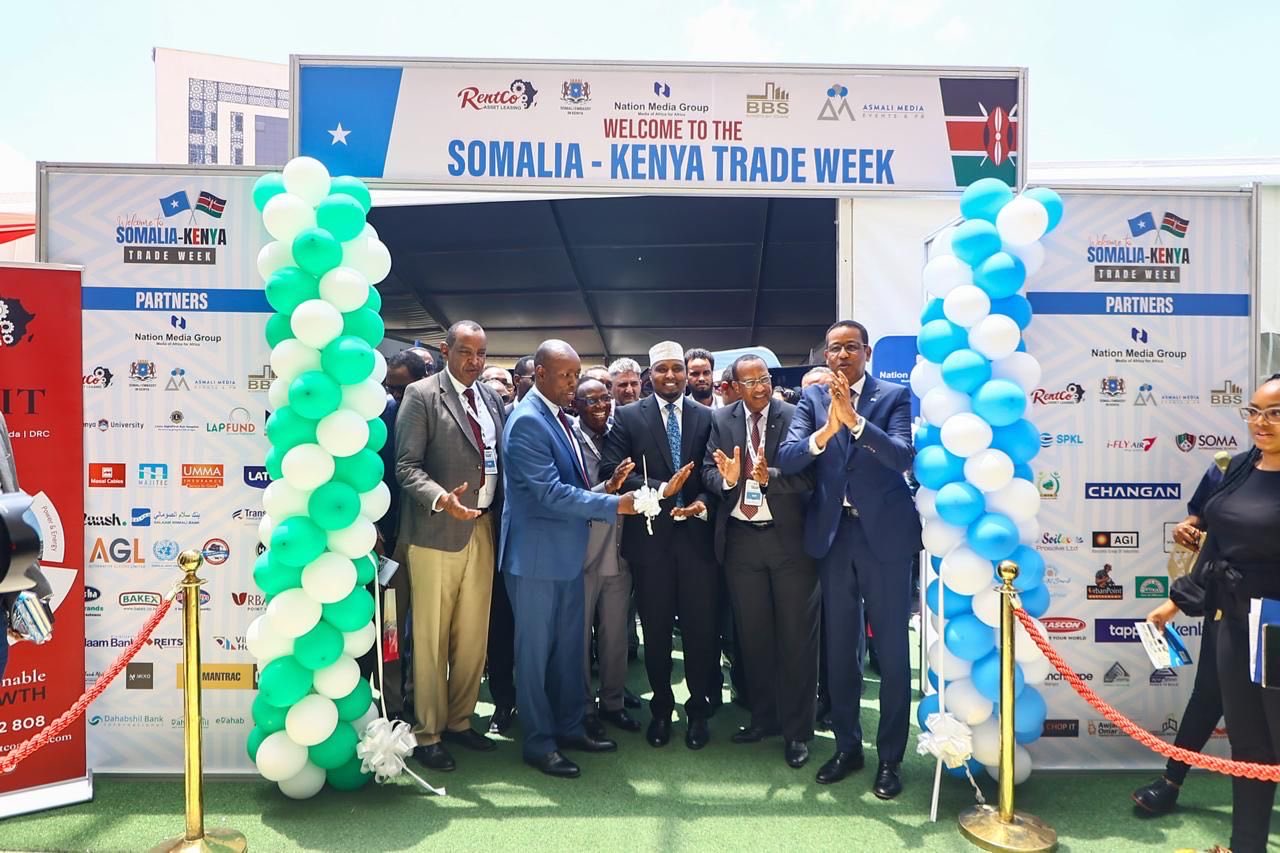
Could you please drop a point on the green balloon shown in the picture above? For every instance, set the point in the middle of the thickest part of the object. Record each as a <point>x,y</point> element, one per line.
<point>334,505</point>
<point>279,329</point>
<point>352,706</point>
<point>377,435</point>
<point>297,541</point>
<point>288,288</point>
<point>268,717</point>
<point>256,737</point>
<point>348,777</point>
<point>361,470</point>
<point>351,613</point>
<point>314,395</point>
<point>355,188</point>
<point>316,251</point>
<point>273,576</point>
<point>335,750</point>
<point>274,460</point>
<point>347,359</point>
<point>283,682</point>
<point>366,569</point>
<point>266,188</point>
<point>340,215</point>
<point>319,647</point>
<point>374,302</point>
<point>286,429</point>
<point>364,324</point>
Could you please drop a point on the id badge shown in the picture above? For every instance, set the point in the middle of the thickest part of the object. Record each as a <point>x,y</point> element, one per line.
<point>751,494</point>
<point>490,461</point>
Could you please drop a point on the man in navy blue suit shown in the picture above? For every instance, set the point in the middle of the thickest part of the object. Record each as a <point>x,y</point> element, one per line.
<point>862,528</point>
<point>546,519</point>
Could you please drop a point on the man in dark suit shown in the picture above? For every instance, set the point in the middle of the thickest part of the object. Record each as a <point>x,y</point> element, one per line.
<point>862,528</point>
<point>772,582</point>
<point>549,512</point>
<point>674,569</point>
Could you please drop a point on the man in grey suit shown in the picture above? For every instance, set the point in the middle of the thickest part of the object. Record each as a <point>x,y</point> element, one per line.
<point>448,461</point>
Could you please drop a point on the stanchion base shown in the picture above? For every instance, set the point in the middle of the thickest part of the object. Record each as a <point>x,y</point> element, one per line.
<point>214,841</point>
<point>1024,834</point>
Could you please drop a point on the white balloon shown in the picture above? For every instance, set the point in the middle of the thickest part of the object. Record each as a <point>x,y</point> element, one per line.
<point>307,178</point>
<point>307,466</point>
<point>1021,757</point>
<point>379,367</point>
<point>278,393</point>
<point>995,336</point>
<point>1020,368</point>
<point>1031,255</point>
<point>941,244</point>
<point>1028,531</point>
<point>293,357</point>
<point>337,679</point>
<point>311,720</point>
<point>1035,671</point>
<point>1025,649</point>
<point>293,613</point>
<point>925,376</point>
<point>369,232</point>
<point>356,540</point>
<point>275,255</point>
<point>375,502</point>
<point>966,572</point>
<point>329,577</point>
<point>986,741</point>
<point>366,718</point>
<point>989,470</point>
<point>377,261</point>
<point>966,305</point>
<point>282,500</point>
<point>279,757</point>
<point>939,537</point>
<point>265,526</point>
<point>286,216</point>
<point>342,432</point>
<point>344,289</point>
<point>316,323</point>
<point>367,398</point>
<point>264,642</point>
<point>969,706</point>
<point>948,666</point>
<point>305,784</point>
<point>942,403</point>
<point>966,434</point>
<point>356,643</point>
<point>944,273</point>
<point>1019,499</point>
<point>926,503</point>
<point>1022,221</point>
<point>986,605</point>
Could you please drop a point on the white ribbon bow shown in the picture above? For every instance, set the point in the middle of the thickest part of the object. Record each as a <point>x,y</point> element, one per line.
<point>648,504</point>
<point>383,749</point>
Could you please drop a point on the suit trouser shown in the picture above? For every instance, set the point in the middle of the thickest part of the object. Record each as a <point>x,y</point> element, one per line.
<point>1253,726</point>
<point>683,583</point>
<point>851,574</point>
<point>450,591</point>
<point>502,650</point>
<point>608,598</point>
<point>1204,706</point>
<point>774,588</point>
<point>549,655</point>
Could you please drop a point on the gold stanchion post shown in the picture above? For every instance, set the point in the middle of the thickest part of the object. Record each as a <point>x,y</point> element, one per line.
<point>196,839</point>
<point>1004,829</point>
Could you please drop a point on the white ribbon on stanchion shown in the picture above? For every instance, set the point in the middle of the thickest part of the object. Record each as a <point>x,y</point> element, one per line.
<point>648,501</point>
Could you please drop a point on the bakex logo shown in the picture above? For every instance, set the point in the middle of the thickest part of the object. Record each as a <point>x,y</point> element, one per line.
<point>181,234</point>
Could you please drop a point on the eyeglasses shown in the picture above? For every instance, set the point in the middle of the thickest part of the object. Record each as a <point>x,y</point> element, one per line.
<point>765,381</point>
<point>600,400</point>
<point>1269,416</point>
<point>836,349</point>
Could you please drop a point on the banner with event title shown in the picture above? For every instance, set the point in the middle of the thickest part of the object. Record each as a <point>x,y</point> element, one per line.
<point>175,374</point>
<point>659,128</point>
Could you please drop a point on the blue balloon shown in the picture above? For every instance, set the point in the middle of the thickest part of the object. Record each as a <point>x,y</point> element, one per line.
<point>1029,711</point>
<point>964,370</point>
<point>1036,601</point>
<point>968,637</point>
<point>983,199</point>
<point>960,504</point>
<point>1022,346</point>
<point>999,402</point>
<point>1000,275</point>
<point>975,241</point>
<point>955,603</point>
<point>932,311</point>
<point>935,467</point>
<point>928,435</point>
<point>1015,307</point>
<point>1052,204</point>
<point>933,679</point>
<point>928,705</point>
<point>936,562</point>
<point>939,338</point>
<point>993,536</point>
<point>986,677</point>
<point>1023,471</point>
<point>1020,440</point>
<point>1030,568</point>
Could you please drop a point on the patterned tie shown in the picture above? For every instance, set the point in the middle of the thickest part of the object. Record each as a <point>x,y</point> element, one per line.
<point>848,489</point>
<point>568,428</point>
<point>748,510</point>
<point>673,439</point>
<point>475,427</point>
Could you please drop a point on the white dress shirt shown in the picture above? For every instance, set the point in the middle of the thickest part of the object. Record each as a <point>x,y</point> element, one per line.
<point>662,421</point>
<point>748,464</point>
<point>555,416</point>
<point>488,429</point>
<point>856,432</point>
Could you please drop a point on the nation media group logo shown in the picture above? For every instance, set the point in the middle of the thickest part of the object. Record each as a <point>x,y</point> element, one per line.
<point>1137,257</point>
<point>180,234</point>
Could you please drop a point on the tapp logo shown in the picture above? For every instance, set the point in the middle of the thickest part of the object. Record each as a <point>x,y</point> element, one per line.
<point>1116,631</point>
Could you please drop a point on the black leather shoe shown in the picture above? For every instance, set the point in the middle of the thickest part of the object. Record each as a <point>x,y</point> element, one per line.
<point>470,739</point>
<point>587,743</point>
<point>1157,798</point>
<point>629,699</point>
<point>435,757</point>
<point>621,719</point>
<point>555,764</point>
<point>796,753</point>
<point>752,734</point>
<point>659,733</point>
<point>888,783</point>
<point>839,766</point>
<point>697,735</point>
<point>500,722</point>
<point>594,728</point>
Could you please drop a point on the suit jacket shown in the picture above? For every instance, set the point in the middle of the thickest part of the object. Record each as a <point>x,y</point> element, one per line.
<point>435,453</point>
<point>786,494</point>
<point>604,543</point>
<point>871,469</point>
<point>549,507</point>
<point>639,431</point>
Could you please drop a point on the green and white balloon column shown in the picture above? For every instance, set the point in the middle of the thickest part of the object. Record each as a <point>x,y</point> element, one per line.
<point>326,491</point>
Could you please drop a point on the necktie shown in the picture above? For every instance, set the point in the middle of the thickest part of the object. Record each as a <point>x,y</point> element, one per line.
<point>848,489</point>
<point>568,428</point>
<point>747,510</point>
<point>673,439</point>
<point>475,428</point>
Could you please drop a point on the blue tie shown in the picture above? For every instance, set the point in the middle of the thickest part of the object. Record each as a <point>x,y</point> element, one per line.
<point>673,439</point>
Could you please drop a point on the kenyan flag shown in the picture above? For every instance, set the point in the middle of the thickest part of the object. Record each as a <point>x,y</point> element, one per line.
<point>982,128</point>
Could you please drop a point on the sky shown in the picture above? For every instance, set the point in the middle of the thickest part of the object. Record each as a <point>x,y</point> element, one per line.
<point>1118,80</point>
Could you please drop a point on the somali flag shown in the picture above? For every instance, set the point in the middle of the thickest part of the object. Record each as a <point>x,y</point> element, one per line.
<point>1141,224</point>
<point>172,205</point>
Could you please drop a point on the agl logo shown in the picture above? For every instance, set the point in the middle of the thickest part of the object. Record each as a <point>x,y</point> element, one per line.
<point>119,551</point>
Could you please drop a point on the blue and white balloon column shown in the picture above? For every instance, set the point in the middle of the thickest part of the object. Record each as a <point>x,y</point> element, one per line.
<point>977,496</point>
